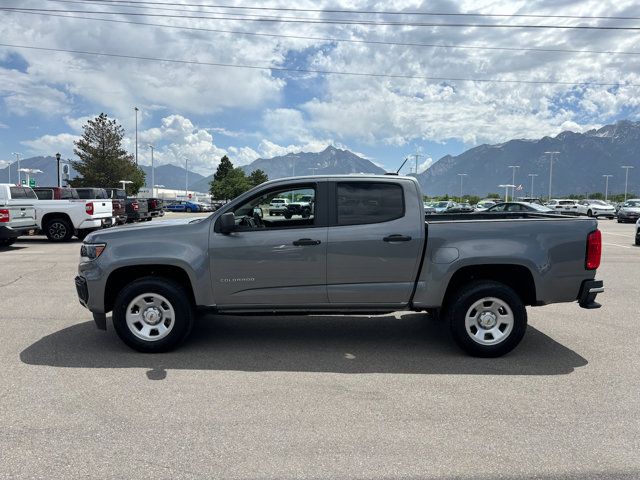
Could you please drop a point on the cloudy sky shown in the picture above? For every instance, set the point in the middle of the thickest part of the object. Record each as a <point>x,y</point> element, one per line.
<point>202,111</point>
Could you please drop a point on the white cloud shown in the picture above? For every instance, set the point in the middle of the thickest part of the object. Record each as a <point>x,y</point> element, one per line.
<point>52,144</point>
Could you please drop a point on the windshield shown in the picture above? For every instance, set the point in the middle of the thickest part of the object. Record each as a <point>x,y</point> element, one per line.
<point>632,204</point>
<point>540,208</point>
<point>441,204</point>
<point>599,202</point>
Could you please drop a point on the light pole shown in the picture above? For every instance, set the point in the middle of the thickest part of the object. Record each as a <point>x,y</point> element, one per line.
<point>153,171</point>
<point>606,186</point>
<point>513,179</point>
<point>417,155</point>
<point>551,154</point>
<point>186,180</point>
<point>18,158</point>
<point>532,175</point>
<point>506,191</point>
<point>461,175</point>
<point>626,179</point>
<point>124,184</point>
<point>136,110</point>
<point>58,168</point>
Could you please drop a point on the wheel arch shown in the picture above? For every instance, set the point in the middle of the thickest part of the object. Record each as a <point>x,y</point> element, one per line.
<point>123,276</point>
<point>517,277</point>
<point>47,217</point>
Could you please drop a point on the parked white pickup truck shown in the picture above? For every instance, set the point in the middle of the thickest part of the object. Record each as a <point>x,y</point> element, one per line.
<point>60,220</point>
<point>17,214</point>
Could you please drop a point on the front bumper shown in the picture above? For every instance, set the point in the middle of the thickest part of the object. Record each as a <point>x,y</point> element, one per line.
<point>588,292</point>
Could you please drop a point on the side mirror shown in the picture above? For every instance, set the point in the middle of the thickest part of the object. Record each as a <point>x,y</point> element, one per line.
<point>227,223</point>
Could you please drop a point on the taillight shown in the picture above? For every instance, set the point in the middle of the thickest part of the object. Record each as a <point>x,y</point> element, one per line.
<point>135,205</point>
<point>89,208</point>
<point>594,250</point>
<point>4,216</point>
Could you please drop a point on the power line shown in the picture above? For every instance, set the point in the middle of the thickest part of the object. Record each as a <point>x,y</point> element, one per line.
<point>329,21</point>
<point>322,72</point>
<point>360,12</point>
<point>340,40</point>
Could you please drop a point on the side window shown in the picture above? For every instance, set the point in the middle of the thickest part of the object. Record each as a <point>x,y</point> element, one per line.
<point>514,207</point>
<point>17,192</point>
<point>293,207</point>
<point>499,208</point>
<point>44,194</point>
<point>369,202</point>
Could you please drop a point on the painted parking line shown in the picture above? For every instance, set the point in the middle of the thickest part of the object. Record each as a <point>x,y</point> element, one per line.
<point>617,234</point>
<point>617,245</point>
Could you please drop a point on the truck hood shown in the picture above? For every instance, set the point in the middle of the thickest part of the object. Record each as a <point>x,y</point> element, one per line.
<point>139,231</point>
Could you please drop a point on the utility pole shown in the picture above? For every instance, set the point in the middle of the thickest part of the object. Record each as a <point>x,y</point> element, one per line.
<point>417,155</point>
<point>626,180</point>
<point>461,175</point>
<point>513,179</point>
<point>532,175</point>
<point>551,154</point>
<point>153,173</point>
<point>186,180</point>
<point>18,158</point>
<point>606,186</point>
<point>136,110</point>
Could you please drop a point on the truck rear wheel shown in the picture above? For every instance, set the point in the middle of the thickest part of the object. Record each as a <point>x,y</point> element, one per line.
<point>487,318</point>
<point>58,230</point>
<point>152,315</point>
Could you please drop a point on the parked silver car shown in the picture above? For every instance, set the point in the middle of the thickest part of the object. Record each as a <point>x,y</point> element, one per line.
<point>629,211</point>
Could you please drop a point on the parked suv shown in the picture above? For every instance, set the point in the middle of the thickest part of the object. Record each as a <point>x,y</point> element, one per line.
<point>596,208</point>
<point>278,206</point>
<point>629,211</point>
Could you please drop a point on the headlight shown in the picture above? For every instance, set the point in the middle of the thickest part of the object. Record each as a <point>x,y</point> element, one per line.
<point>91,251</point>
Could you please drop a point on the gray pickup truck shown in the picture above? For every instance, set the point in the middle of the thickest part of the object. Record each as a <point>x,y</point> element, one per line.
<point>365,249</point>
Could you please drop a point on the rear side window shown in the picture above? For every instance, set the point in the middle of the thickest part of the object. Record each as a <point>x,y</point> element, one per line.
<point>44,194</point>
<point>68,193</point>
<point>369,202</point>
<point>22,192</point>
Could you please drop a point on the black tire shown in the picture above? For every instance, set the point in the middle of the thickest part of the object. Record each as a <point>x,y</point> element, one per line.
<point>589,213</point>
<point>287,216</point>
<point>179,301</point>
<point>148,219</point>
<point>306,213</point>
<point>7,242</point>
<point>464,300</point>
<point>82,234</point>
<point>620,220</point>
<point>58,230</point>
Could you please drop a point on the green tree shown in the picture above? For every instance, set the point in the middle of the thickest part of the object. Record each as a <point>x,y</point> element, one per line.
<point>224,167</point>
<point>102,160</point>
<point>257,177</point>
<point>233,184</point>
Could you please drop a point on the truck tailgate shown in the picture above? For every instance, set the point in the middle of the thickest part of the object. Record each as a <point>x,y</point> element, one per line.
<point>102,208</point>
<point>21,215</point>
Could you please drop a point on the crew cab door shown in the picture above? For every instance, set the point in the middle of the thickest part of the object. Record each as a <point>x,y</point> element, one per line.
<point>272,260</point>
<point>376,239</point>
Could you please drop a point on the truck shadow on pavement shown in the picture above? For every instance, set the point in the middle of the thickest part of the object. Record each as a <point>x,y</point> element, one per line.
<point>410,344</point>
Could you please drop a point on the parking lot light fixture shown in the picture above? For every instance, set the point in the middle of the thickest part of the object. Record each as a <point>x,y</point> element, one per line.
<point>626,179</point>
<point>513,179</point>
<point>18,158</point>
<point>461,175</point>
<point>551,154</point>
<point>153,171</point>
<point>506,191</point>
<point>606,186</point>
<point>532,175</point>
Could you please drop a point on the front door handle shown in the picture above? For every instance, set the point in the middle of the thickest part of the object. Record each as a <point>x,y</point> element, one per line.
<point>306,241</point>
<point>397,238</point>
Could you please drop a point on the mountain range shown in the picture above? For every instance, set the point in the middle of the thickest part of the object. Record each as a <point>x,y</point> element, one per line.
<point>578,167</point>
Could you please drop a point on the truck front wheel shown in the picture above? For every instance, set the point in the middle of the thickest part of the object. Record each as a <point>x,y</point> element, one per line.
<point>488,319</point>
<point>152,315</point>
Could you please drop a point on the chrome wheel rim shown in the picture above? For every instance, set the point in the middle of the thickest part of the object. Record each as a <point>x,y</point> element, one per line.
<point>489,321</point>
<point>58,230</point>
<point>150,317</point>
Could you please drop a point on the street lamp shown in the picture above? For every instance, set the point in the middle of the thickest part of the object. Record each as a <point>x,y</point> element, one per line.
<point>461,175</point>
<point>532,175</point>
<point>606,186</point>
<point>506,191</point>
<point>124,184</point>
<point>513,179</point>
<point>136,110</point>
<point>186,179</point>
<point>58,169</point>
<point>153,171</point>
<point>18,158</point>
<point>626,179</point>
<point>551,154</point>
<point>28,172</point>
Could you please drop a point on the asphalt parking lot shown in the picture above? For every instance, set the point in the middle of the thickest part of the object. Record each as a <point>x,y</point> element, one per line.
<point>320,397</point>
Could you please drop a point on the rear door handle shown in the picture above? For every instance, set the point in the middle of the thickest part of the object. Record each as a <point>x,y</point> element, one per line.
<point>397,238</point>
<point>306,241</point>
